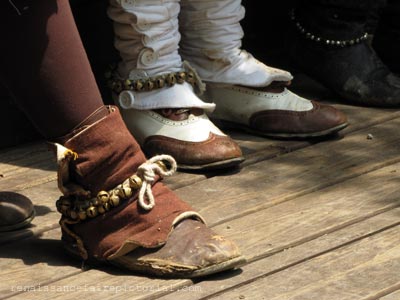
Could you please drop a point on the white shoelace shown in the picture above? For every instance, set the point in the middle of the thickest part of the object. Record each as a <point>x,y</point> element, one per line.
<point>148,171</point>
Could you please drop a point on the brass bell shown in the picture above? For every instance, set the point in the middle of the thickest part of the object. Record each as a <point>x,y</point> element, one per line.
<point>180,77</point>
<point>73,214</point>
<point>160,82</point>
<point>190,78</point>
<point>127,84</point>
<point>100,209</point>
<point>138,85</point>
<point>162,165</point>
<point>82,215</point>
<point>106,206</point>
<point>91,212</point>
<point>149,85</point>
<point>171,79</point>
<point>135,182</point>
<point>103,208</point>
<point>125,192</point>
<point>114,200</point>
<point>103,196</point>
<point>63,205</point>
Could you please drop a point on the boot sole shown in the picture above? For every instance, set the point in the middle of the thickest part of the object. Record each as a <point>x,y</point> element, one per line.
<point>180,272</point>
<point>231,264</point>
<point>330,131</point>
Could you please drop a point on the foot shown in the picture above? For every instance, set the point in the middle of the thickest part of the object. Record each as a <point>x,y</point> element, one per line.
<point>185,134</point>
<point>192,250</point>
<point>354,71</point>
<point>115,209</point>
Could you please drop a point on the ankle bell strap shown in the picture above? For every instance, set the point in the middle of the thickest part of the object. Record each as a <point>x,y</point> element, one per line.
<point>78,205</point>
<point>147,84</point>
<point>329,42</point>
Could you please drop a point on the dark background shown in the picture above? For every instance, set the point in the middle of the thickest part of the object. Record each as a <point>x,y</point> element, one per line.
<point>264,32</point>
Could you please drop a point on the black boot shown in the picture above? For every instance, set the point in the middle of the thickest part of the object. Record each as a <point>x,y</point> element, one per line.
<point>328,41</point>
<point>386,40</point>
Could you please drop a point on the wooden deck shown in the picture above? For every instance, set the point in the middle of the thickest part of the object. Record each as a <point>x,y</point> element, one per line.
<point>315,220</point>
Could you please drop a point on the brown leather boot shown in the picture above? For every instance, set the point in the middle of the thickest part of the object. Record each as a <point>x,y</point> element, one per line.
<point>16,211</point>
<point>116,210</point>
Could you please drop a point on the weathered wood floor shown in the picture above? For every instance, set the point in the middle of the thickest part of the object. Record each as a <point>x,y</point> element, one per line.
<point>316,220</point>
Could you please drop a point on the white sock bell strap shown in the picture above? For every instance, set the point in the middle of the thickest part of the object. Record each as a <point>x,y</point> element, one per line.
<point>176,95</point>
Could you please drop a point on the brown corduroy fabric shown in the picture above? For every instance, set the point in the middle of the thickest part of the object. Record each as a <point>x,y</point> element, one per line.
<point>107,155</point>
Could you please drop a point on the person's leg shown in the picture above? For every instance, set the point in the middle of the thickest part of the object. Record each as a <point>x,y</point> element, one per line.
<point>247,93</point>
<point>45,66</point>
<point>155,89</point>
<point>113,207</point>
<point>328,40</point>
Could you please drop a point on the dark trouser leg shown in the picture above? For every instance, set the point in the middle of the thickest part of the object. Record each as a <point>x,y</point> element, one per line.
<point>328,42</point>
<point>43,63</point>
<point>335,19</point>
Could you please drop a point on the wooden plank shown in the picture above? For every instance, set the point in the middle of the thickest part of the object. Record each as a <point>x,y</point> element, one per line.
<point>359,270</point>
<point>286,177</point>
<point>294,230</point>
<point>392,296</point>
<point>34,261</point>
<point>289,225</point>
<point>113,284</point>
<point>313,147</point>
<point>43,197</point>
<point>289,257</point>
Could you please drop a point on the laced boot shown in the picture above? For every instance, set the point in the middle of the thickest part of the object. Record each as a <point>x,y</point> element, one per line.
<point>151,77</point>
<point>116,210</point>
<point>247,93</point>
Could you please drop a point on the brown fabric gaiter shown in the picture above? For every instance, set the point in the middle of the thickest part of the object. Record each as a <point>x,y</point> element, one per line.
<point>45,67</point>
